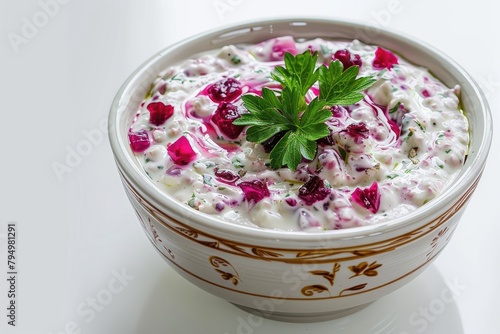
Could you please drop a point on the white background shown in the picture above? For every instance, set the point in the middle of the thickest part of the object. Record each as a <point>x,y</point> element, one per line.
<point>77,231</point>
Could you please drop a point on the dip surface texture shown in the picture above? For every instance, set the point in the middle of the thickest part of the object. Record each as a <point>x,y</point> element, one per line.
<point>387,155</point>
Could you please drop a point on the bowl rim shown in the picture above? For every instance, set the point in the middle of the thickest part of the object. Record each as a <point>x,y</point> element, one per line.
<point>470,173</point>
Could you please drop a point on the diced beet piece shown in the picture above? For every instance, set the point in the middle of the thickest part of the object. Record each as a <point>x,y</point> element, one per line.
<point>159,112</point>
<point>313,190</point>
<point>163,88</point>
<point>139,141</point>
<point>219,206</point>
<point>226,175</point>
<point>338,111</point>
<point>384,59</point>
<point>224,116</point>
<point>225,90</point>
<point>369,198</point>
<point>181,151</point>
<point>357,131</point>
<point>347,59</point>
<point>254,191</point>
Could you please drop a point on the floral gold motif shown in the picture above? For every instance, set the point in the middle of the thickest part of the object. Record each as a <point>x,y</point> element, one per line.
<point>156,237</point>
<point>357,289</point>
<point>329,276</point>
<point>236,248</point>
<point>154,231</point>
<point>363,268</point>
<point>366,269</point>
<point>435,241</point>
<point>230,275</point>
<point>364,252</point>
<point>211,244</point>
<point>354,288</point>
<point>190,233</point>
<point>310,290</point>
<point>265,253</point>
<point>170,252</point>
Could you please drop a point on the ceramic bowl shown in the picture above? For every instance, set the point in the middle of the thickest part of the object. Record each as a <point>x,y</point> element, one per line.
<point>297,276</point>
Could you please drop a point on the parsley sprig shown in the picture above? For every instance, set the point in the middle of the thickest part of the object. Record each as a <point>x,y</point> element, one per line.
<point>287,112</point>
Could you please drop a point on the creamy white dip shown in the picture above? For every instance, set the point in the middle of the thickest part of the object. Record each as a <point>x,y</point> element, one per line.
<point>387,155</point>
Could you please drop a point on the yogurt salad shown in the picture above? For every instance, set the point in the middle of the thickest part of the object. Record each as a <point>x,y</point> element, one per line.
<point>258,135</point>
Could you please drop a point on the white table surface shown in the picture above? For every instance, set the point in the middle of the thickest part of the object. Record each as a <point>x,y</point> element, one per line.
<point>77,231</point>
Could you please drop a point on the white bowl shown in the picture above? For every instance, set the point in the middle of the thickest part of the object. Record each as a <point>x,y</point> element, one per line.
<point>296,276</point>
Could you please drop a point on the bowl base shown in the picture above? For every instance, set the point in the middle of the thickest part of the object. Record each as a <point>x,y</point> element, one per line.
<point>303,317</point>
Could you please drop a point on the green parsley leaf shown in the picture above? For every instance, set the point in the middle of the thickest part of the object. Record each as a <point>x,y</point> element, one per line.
<point>302,141</point>
<point>265,117</point>
<point>339,87</point>
<point>312,123</point>
<point>286,152</point>
<point>287,112</point>
<point>299,71</point>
